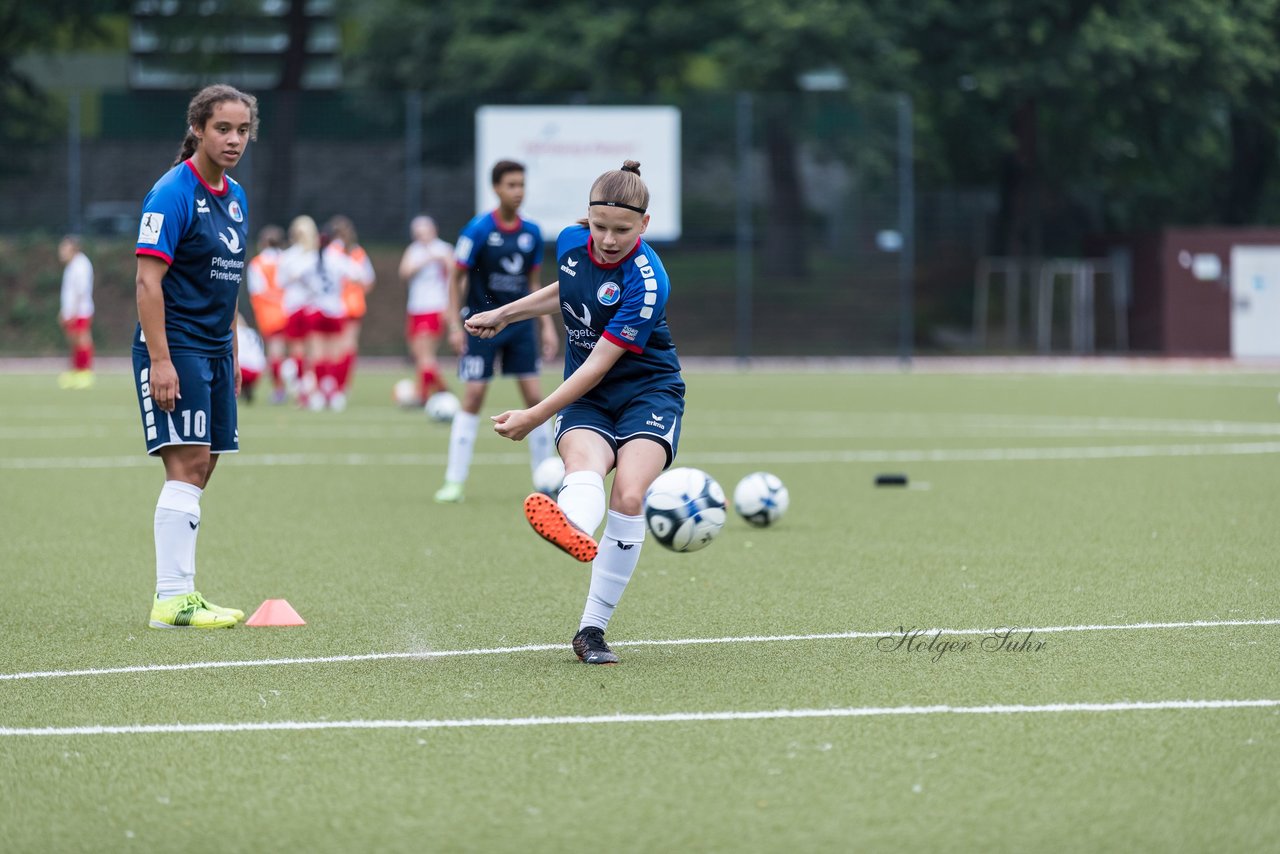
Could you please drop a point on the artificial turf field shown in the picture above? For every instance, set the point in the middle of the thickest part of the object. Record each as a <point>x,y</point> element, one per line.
<point>452,716</point>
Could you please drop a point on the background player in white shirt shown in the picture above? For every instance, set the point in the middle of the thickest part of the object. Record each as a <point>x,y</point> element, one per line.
<point>253,357</point>
<point>354,293</point>
<point>76,312</point>
<point>426,266</point>
<point>312,275</point>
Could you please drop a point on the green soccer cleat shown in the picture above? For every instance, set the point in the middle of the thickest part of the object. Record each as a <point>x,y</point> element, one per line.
<point>450,493</point>
<point>234,613</point>
<point>187,612</point>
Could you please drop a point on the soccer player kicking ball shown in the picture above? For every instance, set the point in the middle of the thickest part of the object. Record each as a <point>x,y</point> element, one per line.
<point>622,397</point>
<point>192,241</point>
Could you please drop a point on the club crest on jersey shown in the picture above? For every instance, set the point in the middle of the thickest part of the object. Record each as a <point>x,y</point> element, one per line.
<point>609,293</point>
<point>234,210</point>
<point>525,242</point>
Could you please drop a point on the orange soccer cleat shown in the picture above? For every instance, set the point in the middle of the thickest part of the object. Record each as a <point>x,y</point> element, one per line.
<point>552,525</point>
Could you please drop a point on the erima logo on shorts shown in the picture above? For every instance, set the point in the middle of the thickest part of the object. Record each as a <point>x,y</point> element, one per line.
<point>149,229</point>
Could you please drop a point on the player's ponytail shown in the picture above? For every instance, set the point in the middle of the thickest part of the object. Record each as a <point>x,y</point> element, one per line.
<point>621,188</point>
<point>188,147</point>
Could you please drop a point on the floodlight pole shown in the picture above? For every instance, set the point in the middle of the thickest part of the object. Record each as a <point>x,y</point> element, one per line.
<point>745,234</point>
<point>412,154</point>
<point>74,218</point>
<point>906,227</point>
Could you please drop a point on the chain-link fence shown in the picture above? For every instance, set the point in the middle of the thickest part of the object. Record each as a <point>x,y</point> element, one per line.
<point>802,231</point>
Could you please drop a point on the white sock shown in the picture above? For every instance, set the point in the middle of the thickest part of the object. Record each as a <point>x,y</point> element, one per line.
<point>582,499</point>
<point>462,443</point>
<point>541,445</point>
<point>612,568</point>
<point>177,525</point>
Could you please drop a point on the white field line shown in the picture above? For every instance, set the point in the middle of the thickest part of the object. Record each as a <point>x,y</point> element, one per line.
<point>670,717</point>
<point>546,647</point>
<point>749,425</point>
<point>931,455</point>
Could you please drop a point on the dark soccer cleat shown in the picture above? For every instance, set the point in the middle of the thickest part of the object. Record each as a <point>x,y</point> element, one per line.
<point>590,647</point>
<point>552,525</point>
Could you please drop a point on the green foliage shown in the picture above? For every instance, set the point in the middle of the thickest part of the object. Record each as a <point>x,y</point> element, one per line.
<point>27,117</point>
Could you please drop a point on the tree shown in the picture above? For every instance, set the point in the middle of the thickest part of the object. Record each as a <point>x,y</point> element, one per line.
<point>25,119</point>
<point>661,47</point>
<point>1151,106</point>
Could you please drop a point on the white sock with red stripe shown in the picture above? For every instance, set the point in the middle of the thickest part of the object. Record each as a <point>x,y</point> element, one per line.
<point>177,524</point>
<point>581,498</point>
<point>612,568</point>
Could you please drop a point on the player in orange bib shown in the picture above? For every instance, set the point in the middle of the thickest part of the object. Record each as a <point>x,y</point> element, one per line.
<point>267,298</point>
<point>353,296</point>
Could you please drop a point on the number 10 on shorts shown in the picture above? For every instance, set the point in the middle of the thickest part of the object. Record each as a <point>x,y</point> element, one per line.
<point>198,420</point>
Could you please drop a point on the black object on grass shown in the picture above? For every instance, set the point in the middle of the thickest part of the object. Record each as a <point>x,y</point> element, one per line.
<point>891,480</point>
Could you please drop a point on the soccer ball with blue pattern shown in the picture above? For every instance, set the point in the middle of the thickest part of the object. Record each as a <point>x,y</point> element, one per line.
<point>684,509</point>
<point>761,499</point>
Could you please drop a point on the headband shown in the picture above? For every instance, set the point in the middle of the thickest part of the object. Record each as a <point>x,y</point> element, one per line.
<point>619,205</point>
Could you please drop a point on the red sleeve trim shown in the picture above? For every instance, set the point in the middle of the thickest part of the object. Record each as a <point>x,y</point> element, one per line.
<point>155,253</point>
<point>625,345</point>
<point>461,266</point>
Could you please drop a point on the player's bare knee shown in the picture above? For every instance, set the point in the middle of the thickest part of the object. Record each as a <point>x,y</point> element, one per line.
<point>626,499</point>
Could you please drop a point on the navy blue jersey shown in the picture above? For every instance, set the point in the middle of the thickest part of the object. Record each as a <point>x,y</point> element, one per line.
<point>201,234</point>
<point>500,260</point>
<point>625,303</point>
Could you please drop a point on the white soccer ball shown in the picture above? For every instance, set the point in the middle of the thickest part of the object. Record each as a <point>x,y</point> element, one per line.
<point>761,499</point>
<point>405,393</point>
<point>442,406</point>
<point>548,477</point>
<point>684,509</point>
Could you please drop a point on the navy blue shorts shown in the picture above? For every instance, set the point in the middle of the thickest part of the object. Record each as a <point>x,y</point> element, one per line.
<point>654,414</point>
<point>517,346</point>
<point>206,412</point>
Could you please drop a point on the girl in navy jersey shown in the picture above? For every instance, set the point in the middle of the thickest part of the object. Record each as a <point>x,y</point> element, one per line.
<point>620,405</point>
<point>192,241</point>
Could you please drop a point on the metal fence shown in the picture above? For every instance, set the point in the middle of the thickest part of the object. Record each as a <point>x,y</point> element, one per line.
<point>803,233</point>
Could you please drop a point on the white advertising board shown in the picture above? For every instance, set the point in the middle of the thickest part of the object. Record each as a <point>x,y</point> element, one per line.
<point>564,149</point>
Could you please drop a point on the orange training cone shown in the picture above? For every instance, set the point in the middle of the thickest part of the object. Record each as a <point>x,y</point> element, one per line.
<point>275,612</point>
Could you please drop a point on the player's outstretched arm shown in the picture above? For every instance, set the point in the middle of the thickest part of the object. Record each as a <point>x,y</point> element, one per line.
<point>518,423</point>
<point>486,324</point>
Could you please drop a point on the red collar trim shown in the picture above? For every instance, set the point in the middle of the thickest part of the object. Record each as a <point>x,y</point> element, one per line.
<point>616,264</point>
<point>194,171</point>
<point>497,221</point>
